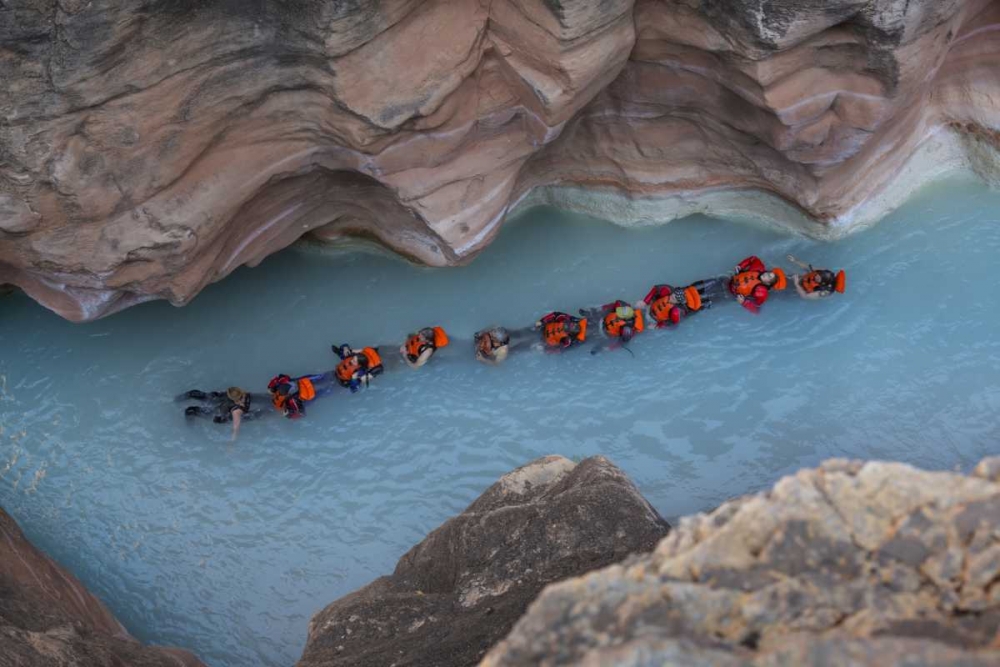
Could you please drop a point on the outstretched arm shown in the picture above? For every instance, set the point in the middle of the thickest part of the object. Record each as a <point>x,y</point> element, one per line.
<point>799,263</point>
<point>237,420</point>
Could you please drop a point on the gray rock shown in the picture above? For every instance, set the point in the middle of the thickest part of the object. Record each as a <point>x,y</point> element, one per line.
<point>863,564</point>
<point>460,590</point>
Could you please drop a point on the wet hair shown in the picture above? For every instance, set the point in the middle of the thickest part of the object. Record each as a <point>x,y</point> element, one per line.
<point>235,394</point>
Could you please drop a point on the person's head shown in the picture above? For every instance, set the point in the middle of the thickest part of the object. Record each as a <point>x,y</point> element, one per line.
<point>235,394</point>
<point>484,343</point>
<point>626,333</point>
<point>775,279</point>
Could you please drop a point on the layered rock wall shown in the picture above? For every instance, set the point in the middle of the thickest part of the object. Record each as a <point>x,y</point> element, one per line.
<point>852,563</point>
<point>148,148</point>
<point>48,618</point>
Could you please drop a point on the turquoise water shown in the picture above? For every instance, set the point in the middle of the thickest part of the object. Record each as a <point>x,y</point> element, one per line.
<point>228,549</point>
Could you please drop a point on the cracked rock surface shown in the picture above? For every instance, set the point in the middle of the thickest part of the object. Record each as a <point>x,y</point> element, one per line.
<point>460,590</point>
<point>851,563</point>
<point>48,618</point>
<point>150,147</point>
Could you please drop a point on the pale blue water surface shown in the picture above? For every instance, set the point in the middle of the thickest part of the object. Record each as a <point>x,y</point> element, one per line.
<point>229,549</point>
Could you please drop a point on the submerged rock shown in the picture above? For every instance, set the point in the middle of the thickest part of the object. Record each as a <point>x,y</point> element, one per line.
<point>852,563</point>
<point>461,589</point>
<point>148,149</point>
<point>48,618</point>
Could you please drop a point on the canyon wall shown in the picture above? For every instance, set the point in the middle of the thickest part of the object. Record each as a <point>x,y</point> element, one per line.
<point>150,147</point>
<point>48,618</point>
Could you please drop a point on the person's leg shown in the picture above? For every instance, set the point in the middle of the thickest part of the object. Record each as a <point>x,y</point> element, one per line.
<point>198,411</point>
<point>521,338</point>
<point>712,289</point>
<point>198,395</point>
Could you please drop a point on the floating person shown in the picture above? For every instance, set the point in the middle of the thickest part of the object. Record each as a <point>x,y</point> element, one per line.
<point>357,369</point>
<point>492,345</point>
<point>668,305</point>
<point>232,405</point>
<point>561,331</point>
<point>421,346</point>
<point>620,322</point>
<point>289,395</point>
<point>752,283</point>
<point>495,343</point>
<point>817,283</point>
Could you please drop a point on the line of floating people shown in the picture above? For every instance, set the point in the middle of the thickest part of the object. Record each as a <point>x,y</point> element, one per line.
<point>749,283</point>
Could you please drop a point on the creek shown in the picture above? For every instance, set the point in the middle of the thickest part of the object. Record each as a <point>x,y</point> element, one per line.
<point>228,548</point>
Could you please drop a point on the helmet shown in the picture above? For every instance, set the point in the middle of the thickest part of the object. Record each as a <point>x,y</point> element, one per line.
<point>626,333</point>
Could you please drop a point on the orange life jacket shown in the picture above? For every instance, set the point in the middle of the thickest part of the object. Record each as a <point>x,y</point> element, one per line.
<point>613,323</point>
<point>556,333</point>
<point>366,359</point>
<point>307,391</point>
<point>415,346</point>
<point>660,309</point>
<point>278,401</point>
<point>420,341</point>
<point>744,282</point>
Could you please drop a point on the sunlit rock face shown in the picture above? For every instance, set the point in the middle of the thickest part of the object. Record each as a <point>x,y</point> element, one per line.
<point>148,148</point>
<point>869,564</point>
<point>47,617</point>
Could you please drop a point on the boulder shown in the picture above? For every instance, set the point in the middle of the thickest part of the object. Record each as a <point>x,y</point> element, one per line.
<point>460,590</point>
<point>867,564</point>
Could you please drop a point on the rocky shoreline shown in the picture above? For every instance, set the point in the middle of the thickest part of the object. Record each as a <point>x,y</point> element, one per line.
<point>562,563</point>
<point>146,151</point>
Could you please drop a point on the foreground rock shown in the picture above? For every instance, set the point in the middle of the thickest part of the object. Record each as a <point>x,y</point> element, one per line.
<point>460,590</point>
<point>48,618</point>
<point>150,148</point>
<point>863,564</point>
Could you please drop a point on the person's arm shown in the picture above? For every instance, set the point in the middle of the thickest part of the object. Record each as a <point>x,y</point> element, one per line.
<point>755,300</point>
<point>237,420</point>
<point>799,263</point>
<point>422,359</point>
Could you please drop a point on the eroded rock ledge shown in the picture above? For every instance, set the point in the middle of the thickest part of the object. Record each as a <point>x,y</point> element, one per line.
<point>459,591</point>
<point>148,148</point>
<point>48,618</point>
<point>852,563</point>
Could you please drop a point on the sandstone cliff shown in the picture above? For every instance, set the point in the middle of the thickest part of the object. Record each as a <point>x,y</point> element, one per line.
<point>460,590</point>
<point>864,564</point>
<point>150,147</point>
<point>48,618</point>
